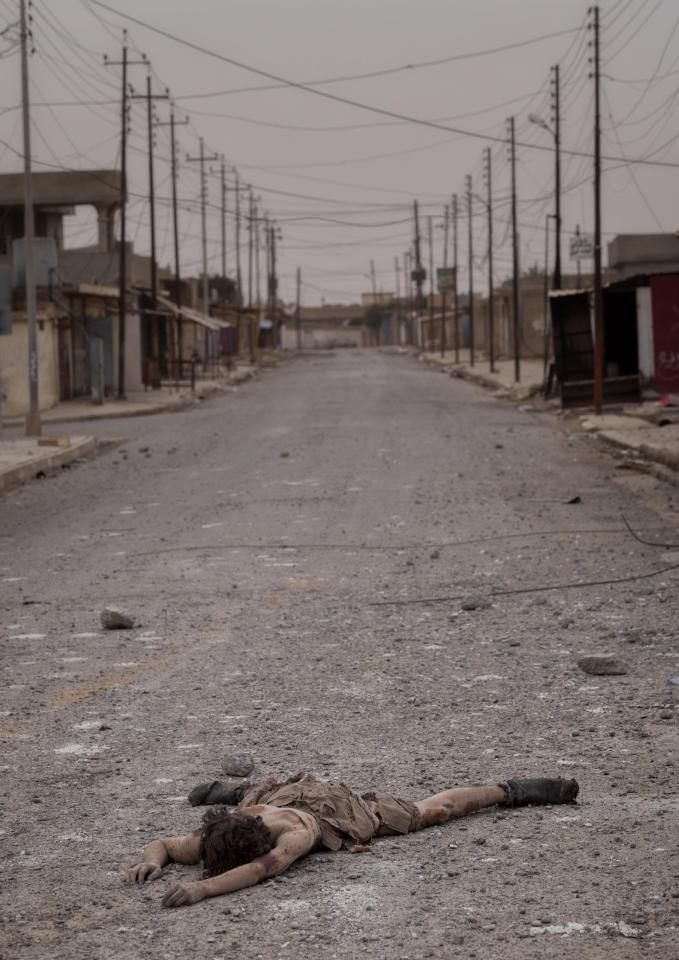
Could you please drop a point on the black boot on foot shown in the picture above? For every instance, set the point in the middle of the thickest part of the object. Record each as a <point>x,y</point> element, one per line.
<point>538,792</point>
<point>217,792</point>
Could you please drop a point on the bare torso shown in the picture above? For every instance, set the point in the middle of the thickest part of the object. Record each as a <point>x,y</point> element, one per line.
<point>298,827</point>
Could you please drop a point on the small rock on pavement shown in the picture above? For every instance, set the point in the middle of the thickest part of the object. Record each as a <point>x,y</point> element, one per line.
<point>238,765</point>
<point>113,618</point>
<point>475,603</point>
<point>602,665</point>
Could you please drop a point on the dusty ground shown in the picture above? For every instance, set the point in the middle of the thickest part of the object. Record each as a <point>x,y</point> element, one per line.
<point>252,538</point>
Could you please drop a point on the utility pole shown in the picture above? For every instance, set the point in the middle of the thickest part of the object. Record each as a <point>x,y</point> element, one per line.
<point>515,254</point>
<point>419,272</point>
<point>274,283</point>
<point>578,269</point>
<point>456,315</point>
<point>491,294</point>
<point>407,295</point>
<point>556,120</point>
<point>225,190</point>
<point>298,309</point>
<point>430,241</point>
<point>175,226</point>
<point>33,427</point>
<point>125,63</point>
<point>258,288</point>
<point>202,160</point>
<point>149,97</point>
<point>239,276</point>
<point>446,229</point>
<point>598,291</point>
<point>397,306</point>
<point>372,281</point>
<point>251,238</point>
<point>471,270</point>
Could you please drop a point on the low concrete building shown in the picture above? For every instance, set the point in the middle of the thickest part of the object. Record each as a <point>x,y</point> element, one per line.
<point>325,327</point>
<point>633,254</point>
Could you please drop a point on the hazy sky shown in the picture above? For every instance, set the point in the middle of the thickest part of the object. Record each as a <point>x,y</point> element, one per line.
<point>314,162</point>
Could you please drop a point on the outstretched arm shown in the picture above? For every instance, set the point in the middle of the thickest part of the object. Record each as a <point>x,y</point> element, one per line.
<point>160,852</point>
<point>291,846</point>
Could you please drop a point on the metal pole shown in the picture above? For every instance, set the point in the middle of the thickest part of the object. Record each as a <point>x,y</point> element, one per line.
<point>122,265</point>
<point>152,195</point>
<point>446,227</point>
<point>557,175</point>
<point>456,316</point>
<point>430,241</point>
<point>298,318</point>
<point>239,276</point>
<point>418,259</point>
<point>122,282</point>
<point>251,237</point>
<point>224,195</point>
<point>33,427</point>
<point>515,255</point>
<point>491,292</point>
<point>545,359</point>
<point>598,291</point>
<point>471,271</point>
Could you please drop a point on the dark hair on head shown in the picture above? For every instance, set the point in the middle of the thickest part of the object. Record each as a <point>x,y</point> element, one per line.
<point>230,838</point>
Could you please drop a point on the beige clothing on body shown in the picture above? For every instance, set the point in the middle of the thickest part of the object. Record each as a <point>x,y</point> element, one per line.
<point>343,816</point>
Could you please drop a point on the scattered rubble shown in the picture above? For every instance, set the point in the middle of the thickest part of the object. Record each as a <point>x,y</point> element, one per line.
<point>602,665</point>
<point>238,765</point>
<point>113,618</point>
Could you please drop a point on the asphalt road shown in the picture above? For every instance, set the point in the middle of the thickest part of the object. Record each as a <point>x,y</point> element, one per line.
<point>255,538</point>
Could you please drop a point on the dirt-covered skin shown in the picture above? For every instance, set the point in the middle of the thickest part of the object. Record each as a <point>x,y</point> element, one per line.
<point>251,537</point>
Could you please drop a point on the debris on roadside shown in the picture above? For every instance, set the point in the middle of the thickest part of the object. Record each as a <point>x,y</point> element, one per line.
<point>113,618</point>
<point>475,603</point>
<point>238,765</point>
<point>602,665</point>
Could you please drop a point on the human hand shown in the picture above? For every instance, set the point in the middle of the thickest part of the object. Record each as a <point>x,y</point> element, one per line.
<point>183,894</point>
<point>143,872</point>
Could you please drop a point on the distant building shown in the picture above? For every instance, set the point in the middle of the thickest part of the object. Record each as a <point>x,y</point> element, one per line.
<point>633,254</point>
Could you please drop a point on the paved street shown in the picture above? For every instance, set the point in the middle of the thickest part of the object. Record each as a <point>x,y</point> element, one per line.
<point>255,538</point>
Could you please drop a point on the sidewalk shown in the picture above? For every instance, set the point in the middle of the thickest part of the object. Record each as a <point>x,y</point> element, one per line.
<point>646,434</point>
<point>641,439</point>
<point>502,379</point>
<point>139,403</point>
<point>27,459</point>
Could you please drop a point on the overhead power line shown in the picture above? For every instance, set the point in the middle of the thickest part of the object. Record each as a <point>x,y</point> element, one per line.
<point>356,103</point>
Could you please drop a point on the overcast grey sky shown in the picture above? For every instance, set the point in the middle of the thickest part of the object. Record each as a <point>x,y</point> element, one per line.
<point>314,161</point>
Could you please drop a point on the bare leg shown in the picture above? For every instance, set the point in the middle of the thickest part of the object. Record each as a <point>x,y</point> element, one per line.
<point>458,802</point>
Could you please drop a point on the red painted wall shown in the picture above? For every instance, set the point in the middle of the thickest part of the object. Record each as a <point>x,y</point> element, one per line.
<point>665,301</point>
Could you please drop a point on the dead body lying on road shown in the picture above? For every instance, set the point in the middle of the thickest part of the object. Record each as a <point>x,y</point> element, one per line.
<point>276,823</point>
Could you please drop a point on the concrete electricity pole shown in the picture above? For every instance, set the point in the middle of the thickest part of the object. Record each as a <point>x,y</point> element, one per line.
<point>125,63</point>
<point>456,315</point>
<point>202,160</point>
<point>446,229</point>
<point>298,309</point>
<point>516,302</point>
<point>239,275</point>
<point>468,181</point>
<point>33,427</point>
<point>223,217</point>
<point>598,291</point>
<point>491,295</point>
<point>430,241</point>
<point>173,124</point>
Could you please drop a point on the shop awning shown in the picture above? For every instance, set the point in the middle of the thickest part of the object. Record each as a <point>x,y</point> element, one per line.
<point>186,313</point>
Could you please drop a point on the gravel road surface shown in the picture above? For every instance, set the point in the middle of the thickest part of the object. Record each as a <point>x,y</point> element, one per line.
<point>256,539</point>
